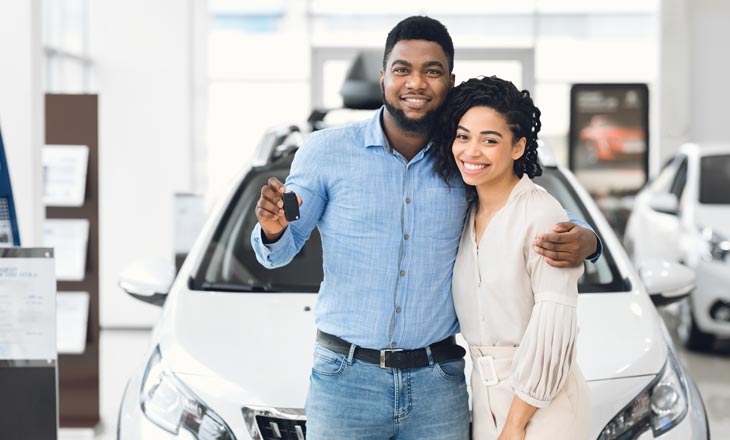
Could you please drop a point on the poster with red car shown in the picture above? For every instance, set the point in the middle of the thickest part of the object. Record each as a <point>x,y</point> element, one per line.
<point>609,136</point>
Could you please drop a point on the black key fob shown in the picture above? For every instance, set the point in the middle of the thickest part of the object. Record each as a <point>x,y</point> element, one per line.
<point>291,206</point>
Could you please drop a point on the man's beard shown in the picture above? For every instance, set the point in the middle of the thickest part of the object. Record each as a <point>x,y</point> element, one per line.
<point>418,126</point>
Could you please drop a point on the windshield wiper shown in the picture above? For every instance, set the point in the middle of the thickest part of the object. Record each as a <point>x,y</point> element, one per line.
<point>235,287</point>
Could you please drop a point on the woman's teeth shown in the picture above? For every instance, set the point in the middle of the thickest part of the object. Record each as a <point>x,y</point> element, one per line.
<point>473,166</point>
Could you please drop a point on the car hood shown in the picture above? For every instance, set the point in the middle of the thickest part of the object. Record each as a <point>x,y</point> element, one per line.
<point>716,217</point>
<point>258,344</point>
<point>619,335</point>
<point>256,349</point>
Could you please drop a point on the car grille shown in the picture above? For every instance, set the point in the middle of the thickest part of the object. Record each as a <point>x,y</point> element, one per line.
<point>269,423</point>
<point>273,428</point>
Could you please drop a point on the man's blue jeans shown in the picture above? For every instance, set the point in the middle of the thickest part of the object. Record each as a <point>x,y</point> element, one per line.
<point>355,400</point>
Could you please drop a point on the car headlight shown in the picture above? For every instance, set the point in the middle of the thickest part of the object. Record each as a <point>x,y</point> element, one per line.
<point>660,406</point>
<point>169,404</point>
<point>717,246</point>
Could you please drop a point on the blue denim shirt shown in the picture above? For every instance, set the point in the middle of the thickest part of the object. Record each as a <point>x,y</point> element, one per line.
<point>390,231</point>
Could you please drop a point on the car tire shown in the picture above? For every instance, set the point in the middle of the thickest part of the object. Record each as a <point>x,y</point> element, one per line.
<point>689,334</point>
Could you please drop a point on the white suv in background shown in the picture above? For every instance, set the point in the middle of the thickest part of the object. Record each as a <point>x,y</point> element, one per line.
<point>684,216</point>
<point>231,355</point>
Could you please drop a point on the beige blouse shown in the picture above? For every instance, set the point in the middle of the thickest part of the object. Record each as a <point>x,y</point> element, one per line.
<point>505,294</point>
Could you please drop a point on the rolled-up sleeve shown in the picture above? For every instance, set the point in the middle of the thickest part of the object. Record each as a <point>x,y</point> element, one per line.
<point>306,180</point>
<point>273,255</point>
<point>546,353</point>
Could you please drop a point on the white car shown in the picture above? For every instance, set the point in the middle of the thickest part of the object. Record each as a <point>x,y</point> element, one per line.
<point>684,216</point>
<point>231,355</point>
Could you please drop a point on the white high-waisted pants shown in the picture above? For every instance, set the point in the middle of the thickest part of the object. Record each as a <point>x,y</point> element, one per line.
<point>567,417</point>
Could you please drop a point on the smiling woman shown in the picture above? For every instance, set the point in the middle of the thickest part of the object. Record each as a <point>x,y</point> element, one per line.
<point>516,312</point>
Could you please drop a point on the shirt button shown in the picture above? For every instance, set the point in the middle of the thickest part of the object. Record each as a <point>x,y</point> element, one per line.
<point>403,273</point>
<point>392,344</point>
<point>406,237</point>
<point>408,200</point>
<point>397,310</point>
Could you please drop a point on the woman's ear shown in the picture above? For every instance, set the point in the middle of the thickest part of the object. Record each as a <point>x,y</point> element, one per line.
<point>518,149</point>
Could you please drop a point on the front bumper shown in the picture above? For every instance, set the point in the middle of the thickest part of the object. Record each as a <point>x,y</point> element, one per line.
<point>713,287</point>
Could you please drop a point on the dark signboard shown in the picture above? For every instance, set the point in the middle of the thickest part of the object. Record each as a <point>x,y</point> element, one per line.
<point>609,136</point>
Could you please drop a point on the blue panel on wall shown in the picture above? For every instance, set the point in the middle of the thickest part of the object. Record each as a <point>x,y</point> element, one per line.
<point>8,223</point>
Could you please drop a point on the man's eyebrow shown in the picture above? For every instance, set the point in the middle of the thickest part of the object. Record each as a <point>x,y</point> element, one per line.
<point>434,63</point>
<point>403,62</point>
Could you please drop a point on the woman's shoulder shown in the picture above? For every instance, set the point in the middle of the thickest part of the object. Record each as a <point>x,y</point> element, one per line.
<point>541,205</point>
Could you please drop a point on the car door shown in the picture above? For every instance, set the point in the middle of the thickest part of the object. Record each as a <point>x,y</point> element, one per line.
<point>656,230</point>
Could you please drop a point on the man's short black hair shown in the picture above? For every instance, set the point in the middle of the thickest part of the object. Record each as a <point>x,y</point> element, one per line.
<point>420,28</point>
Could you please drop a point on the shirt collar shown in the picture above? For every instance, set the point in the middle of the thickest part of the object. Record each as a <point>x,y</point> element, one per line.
<point>374,135</point>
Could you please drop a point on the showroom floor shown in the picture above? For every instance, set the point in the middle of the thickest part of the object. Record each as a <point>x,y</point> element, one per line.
<point>122,352</point>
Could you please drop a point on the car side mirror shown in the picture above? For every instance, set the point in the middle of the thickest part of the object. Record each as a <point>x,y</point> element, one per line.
<point>666,203</point>
<point>666,282</point>
<point>148,280</point>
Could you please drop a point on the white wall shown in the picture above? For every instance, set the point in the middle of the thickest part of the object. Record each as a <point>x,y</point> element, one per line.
<point>22,111</point>
<point>694,87</point>
<point>674,81</point>
<point>709,70</point>
<point>144,71</point>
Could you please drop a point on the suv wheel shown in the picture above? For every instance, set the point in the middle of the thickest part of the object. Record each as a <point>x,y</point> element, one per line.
<point>691,336</point>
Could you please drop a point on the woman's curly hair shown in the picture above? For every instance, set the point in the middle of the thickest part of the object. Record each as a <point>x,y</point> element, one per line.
<point>522,117</point>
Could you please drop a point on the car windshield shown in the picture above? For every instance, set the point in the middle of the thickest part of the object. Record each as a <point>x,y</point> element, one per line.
<point>229,263</point>
<point>715,180</point>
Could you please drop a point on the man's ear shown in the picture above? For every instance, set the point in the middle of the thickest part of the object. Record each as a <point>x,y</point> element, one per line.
<point>382,79</point>
<point>452,80</point>
<point>518,149</point>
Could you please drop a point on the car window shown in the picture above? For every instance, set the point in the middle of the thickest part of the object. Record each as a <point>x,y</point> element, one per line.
<point>680,178</point>
<point>229,262</point>
<point>715,180</point>
<point>663,182</point>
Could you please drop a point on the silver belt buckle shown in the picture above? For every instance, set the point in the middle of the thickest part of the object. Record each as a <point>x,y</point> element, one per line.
<point>494,380</point>
<point>382,356</point>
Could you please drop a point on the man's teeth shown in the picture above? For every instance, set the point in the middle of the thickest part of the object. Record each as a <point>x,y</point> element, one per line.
<point>415,100</point>
<point>473,166</point>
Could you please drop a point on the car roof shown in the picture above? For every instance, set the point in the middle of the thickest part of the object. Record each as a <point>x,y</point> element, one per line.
<point>705,148</point>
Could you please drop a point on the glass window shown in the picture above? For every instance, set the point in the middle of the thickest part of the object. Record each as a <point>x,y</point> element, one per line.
<point>66,46</point>
<point>230,263</point>
<point>715,180</point>
<point>663,182</point>
<point>680,180</point>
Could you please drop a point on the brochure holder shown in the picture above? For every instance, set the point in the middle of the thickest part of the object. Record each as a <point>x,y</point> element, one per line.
<point>72,120</point>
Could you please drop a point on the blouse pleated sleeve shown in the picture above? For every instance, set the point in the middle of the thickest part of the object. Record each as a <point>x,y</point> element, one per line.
<point>546,352</point>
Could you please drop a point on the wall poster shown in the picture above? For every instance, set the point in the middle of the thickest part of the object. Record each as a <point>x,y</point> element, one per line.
<point>608,148</point>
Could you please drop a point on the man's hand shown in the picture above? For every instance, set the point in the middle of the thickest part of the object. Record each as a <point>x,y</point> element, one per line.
<point>270,209</point>
<point>568,246</point>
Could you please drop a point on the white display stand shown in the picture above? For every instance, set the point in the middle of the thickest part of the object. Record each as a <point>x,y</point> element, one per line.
<point>28,375</point>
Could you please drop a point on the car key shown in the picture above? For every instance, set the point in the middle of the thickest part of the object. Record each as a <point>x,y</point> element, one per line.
<point>291,206</point>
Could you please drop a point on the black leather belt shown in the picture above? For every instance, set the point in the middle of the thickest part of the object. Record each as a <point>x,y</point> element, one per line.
<point>441,351</point>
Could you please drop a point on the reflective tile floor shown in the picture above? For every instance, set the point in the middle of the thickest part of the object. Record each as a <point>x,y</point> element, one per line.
<point>711,373</point>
